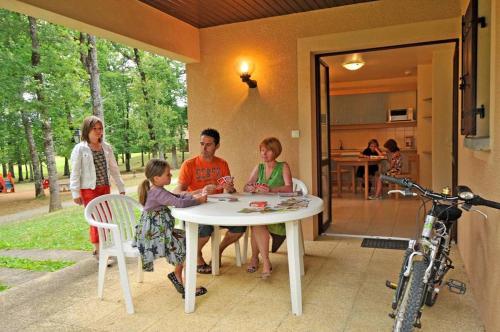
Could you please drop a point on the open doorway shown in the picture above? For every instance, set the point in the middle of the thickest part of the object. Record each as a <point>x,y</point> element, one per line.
<point>407,93</point>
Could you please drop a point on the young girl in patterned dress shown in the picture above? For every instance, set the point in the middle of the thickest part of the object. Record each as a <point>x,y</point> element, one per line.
<point>155,233</point>
<point>394,166</point>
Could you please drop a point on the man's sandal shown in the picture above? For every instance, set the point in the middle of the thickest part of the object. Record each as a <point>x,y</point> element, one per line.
<point>177,284</point>
<point>199,291</point>
<point>204,268</point>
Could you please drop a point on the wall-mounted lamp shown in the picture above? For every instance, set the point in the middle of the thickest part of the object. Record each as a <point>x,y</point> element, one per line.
<point>245,70</point>
<point>353,62</point>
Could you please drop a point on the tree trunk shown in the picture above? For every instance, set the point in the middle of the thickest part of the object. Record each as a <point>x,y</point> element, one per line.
<point>142,157</point>
<point>48,142</point>
<point>4,169</point>
<point>89,61</point>
<point>127,162</point>
<point>19,171</point>
<point>149,120</point>
<point>174,163</point>
<point>126,139</point>
<point>11,170</point>
<point>41,170</point>
<point>66,166</point>
<point>34,155</point>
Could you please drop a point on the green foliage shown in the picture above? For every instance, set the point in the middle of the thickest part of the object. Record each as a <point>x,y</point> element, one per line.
<point>33,265</point>
<point>66,95</point>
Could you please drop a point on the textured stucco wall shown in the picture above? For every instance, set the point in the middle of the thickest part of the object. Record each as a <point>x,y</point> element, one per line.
<point>479,240</point>
<point>217,98</point>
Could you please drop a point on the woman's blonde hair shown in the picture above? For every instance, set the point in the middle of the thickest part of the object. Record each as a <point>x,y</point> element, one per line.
<point>154,167</point>
<point>89,123</point>
<point>273,144</point>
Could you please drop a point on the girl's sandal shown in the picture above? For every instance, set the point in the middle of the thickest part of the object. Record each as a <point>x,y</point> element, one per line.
<point>199,291</point>
<point>177,284</point>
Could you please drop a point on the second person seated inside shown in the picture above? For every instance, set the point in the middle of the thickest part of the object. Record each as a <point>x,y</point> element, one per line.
<point>395,164</point>
<point>269,176</point>
<point>371,150</point>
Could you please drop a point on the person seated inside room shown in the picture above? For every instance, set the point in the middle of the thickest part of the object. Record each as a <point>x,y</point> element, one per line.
<point>395,165</point>
<point>371,150</point>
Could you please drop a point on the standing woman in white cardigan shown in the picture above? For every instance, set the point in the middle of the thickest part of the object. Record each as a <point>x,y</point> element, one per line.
<point>93,163</point>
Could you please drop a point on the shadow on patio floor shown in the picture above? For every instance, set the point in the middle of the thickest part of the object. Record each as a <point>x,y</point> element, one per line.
<point>343,290</point>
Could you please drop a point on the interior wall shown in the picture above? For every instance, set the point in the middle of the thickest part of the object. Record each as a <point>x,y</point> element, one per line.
<point>217,97</point>
<point>442,116</point>
<point>368,108</point>
<point>424,123</point>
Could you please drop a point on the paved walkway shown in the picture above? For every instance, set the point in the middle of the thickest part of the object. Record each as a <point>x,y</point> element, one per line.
<point>15,277</point>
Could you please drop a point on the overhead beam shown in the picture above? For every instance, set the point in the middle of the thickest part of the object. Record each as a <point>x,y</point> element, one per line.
<point>129,22</point>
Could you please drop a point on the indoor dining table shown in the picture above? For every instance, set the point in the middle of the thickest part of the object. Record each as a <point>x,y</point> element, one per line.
<point>354,162</point>
<point>218,211</point>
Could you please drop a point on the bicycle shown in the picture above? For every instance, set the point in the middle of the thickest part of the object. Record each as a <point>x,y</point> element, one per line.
<point>426,261</point>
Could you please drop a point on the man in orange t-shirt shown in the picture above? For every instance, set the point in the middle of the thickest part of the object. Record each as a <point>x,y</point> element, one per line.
<point>199,174</point>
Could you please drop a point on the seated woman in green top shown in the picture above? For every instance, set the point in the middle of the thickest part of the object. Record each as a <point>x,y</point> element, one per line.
<point>269,176</point>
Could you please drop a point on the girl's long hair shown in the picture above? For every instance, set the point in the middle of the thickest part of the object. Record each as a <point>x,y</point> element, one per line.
<point>154,167</point>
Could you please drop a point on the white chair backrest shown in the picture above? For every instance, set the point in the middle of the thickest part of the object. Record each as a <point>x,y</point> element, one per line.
<point>299,185</point>
<point>113,209</point>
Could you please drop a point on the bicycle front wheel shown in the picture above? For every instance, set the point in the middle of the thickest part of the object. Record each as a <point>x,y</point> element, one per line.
<point>411,302</point>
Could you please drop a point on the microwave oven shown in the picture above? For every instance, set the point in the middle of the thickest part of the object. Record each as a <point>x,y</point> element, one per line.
<point>400,114</point>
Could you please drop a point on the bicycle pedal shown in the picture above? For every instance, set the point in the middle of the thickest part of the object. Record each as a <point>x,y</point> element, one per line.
<point>456,286</point>
<point>392,315</point>
<point>390,284</point>
<point>418,325</point>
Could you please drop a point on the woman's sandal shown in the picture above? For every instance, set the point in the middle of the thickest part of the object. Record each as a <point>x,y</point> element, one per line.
<point>251,268</point>
<point>265,275</point>
<point>199,291</point>
<point>177,284</point>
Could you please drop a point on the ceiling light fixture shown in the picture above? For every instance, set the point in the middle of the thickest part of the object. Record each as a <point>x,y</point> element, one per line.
<point>353,62</point>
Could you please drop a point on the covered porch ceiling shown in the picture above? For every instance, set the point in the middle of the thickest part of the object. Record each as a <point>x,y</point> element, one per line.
<point>205,14</point>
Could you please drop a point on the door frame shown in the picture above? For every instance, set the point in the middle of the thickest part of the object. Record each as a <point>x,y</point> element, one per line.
<point>317,64</point>
<point>317,59</point>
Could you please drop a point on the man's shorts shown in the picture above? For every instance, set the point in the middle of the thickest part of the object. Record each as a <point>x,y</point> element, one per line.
<point>207,230</point>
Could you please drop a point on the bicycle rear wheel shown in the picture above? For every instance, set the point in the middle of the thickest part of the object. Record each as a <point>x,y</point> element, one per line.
<point>411,301</point>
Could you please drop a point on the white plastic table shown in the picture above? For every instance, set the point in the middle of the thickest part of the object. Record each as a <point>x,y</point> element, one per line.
<point>223,213</point>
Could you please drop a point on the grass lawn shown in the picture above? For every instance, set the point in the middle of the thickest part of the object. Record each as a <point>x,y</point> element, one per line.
<point>63,229</point>
<point>3,287</point>
<point>33,265</point>
<point>135,163</point>
<point>23,199</point>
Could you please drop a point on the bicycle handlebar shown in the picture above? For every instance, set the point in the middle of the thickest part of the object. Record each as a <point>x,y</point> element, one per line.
<point>475,200</point>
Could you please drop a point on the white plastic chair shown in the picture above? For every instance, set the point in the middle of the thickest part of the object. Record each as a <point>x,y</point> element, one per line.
<point>114,217</point>
<point>296,185</point>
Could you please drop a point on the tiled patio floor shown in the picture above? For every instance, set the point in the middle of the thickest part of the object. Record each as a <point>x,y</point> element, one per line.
<point>343,290</point>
